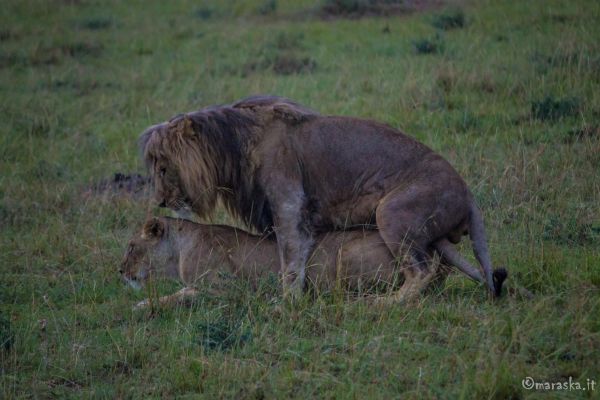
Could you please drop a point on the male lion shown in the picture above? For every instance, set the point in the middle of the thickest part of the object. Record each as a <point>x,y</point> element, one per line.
<point>190,252</point>
<point>276,164</point>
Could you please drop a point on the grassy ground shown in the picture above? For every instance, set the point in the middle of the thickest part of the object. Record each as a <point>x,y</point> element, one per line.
<point>508,91</point>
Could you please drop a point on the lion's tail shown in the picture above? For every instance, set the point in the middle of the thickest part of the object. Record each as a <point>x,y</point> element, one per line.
<point>493,279</point>
<point>480,247</point>
<point>450,256</point>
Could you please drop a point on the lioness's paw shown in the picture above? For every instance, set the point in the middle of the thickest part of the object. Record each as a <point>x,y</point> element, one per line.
<point>141,305</point>
<point>381,300</point>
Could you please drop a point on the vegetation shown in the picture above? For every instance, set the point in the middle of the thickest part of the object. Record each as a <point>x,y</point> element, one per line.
<point>513,101</point>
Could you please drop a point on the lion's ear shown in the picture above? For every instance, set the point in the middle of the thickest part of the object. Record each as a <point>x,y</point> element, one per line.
<point>188,129</point>
<point>182,126</point>
<point>290,114</point>
<point>153,229</point>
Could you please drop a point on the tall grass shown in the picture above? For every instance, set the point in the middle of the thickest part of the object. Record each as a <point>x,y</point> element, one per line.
<point>512,99</point>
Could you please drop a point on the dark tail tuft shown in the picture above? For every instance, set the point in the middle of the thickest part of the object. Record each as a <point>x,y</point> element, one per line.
<point>499,277</point>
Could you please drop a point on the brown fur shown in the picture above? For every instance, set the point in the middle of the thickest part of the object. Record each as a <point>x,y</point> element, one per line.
<point>278,165</point>
<point>190,252</point>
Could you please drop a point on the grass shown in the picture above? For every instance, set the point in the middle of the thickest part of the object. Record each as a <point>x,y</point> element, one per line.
<point>513,102</point>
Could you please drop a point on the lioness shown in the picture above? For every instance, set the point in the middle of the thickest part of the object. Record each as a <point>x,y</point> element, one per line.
<point>188,251</point>
<point>278,165</point>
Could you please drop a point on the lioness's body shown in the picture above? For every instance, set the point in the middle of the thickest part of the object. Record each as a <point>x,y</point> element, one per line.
<point>280,166</point>
<point>190,252</point>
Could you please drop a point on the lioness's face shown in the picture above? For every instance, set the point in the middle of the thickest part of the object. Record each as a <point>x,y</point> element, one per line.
<point>135,264</point>
<point>144,256</point>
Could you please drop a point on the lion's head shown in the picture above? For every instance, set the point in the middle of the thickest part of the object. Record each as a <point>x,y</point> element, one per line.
<point>192,163</point>
<point>164,149</point>
<point>198,158</point>
<point>148,254</point>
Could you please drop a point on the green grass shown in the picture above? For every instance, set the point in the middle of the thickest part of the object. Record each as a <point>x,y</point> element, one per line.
<point>512,99</point>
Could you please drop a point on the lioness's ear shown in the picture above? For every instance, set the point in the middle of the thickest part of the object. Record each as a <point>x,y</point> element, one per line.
<point>153,229</point>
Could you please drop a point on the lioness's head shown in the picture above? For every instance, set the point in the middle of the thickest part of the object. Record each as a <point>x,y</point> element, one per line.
<point>148,254</point>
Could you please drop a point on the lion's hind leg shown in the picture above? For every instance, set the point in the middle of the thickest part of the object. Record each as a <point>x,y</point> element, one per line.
<point>405,224</point>
<point>411,216</point>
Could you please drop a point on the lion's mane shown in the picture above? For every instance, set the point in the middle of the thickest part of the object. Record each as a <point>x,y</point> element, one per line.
<point>210,150</point>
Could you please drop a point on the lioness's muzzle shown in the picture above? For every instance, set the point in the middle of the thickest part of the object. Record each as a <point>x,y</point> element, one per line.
<point>131,281</point>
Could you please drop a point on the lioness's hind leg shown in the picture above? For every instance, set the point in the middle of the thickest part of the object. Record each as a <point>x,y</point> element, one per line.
<point>415,281</point>
<point>440,273</point>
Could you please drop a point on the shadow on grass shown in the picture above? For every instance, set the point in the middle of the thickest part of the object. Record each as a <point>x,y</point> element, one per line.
<point>553,109</point>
